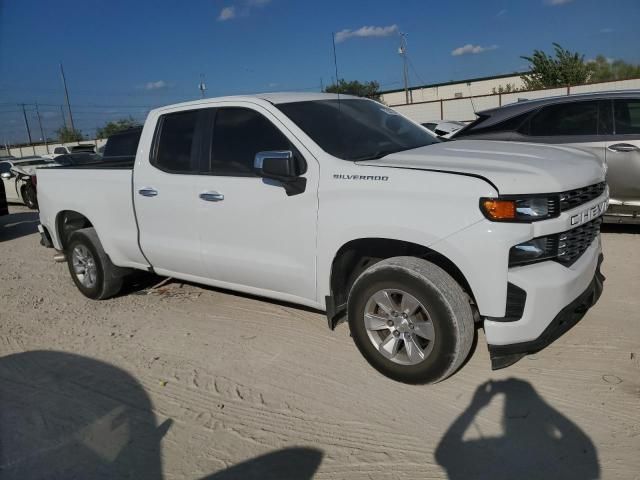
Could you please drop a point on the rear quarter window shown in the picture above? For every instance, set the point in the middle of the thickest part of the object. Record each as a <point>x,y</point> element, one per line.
<point>627,117</point>
<point>580,118</point>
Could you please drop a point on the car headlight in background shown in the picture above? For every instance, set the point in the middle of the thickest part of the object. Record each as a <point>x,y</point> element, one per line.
<point>517,208</point>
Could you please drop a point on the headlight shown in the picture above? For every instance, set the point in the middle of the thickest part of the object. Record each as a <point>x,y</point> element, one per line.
<point>536,250</point>
<point>516,208</point>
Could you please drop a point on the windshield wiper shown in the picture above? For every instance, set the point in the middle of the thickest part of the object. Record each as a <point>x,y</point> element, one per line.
<point>375,156</point>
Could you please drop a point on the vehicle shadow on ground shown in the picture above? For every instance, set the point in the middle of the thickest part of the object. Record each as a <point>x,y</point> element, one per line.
<point>16,225</point>
<point>619,228</point>
<point>67,416</point>
<point>537,440</point>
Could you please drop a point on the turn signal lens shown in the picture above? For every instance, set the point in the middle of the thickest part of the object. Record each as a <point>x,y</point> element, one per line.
<point>496,209</point>
<point>521,208</point>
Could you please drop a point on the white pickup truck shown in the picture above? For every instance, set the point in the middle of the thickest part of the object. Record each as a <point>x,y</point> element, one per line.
<point>343,205</point>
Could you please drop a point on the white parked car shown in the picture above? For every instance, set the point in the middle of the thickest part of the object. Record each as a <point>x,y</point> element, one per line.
<point>15,173</point>
<point>344,205</point>
<point>443,128</point>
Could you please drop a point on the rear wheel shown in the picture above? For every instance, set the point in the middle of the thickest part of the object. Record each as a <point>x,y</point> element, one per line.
<point>411,320</point>
<point>90,267</point>
<point>29,197</point>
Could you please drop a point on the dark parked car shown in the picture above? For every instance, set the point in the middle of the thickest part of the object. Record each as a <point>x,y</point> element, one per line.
<point>4,208</point>
<point>607,124</point>
<point>122,145</point>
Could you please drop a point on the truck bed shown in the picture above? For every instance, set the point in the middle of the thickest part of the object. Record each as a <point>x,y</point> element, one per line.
<point>100,192</point>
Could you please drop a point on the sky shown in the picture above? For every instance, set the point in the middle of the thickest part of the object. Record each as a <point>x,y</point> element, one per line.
<point>124,57</point>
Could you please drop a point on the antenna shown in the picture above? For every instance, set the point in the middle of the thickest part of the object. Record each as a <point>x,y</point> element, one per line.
<point>402,51</point>
<point>335,64</point>
<point>473,105</point>
<point>202,86</point>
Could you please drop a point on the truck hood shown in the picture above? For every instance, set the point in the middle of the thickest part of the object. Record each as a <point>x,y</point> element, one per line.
<point>512,167</point>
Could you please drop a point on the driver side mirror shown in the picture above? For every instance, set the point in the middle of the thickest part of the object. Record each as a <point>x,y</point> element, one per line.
<point>276,164</point>
<point>6,175</point>
<point>280,165</point>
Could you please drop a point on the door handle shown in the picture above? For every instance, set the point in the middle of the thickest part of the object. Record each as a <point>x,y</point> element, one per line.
<point>623,147</point>
<point>212,196</point>
<point>148,192</point>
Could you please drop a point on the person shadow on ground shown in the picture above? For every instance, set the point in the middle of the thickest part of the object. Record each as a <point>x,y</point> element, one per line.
<point>537,442</point>
<point>65,416</point>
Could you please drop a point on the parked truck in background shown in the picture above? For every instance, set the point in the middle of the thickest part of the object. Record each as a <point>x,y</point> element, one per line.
<point>343,205</point>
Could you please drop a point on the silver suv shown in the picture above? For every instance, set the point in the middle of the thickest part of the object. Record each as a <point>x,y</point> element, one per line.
<point>607,124</point>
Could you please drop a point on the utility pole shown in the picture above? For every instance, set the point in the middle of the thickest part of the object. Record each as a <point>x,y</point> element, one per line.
<point>335,60</point>
<point>66,96</point>
<point>64,117</point>
<point>44,138</point>
<point>405,70</point>
<point>202,86</point>
<point>26,124</point>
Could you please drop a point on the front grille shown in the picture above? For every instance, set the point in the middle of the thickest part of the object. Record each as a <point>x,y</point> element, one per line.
<point>573,243</point>
<point>574,198</point>
<point>564,248</point>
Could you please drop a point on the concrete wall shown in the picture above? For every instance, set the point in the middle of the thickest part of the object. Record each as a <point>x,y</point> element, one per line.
<point>480,87</point>
<point>463,109</point>
<point>40,150</point>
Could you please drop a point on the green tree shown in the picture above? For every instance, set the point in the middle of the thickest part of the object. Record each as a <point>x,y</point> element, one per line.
<point>113,127</point>
<point>508,88</point>
<point>354,87</point>
<point>603,70</point>
<point>67,134</point>
<point>565,68</point>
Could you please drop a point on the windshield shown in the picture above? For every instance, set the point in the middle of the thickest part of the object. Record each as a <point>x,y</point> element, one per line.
<point>356,129</point>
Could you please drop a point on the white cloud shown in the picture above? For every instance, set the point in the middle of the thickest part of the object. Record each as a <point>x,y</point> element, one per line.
<point>160,84</point>
<point>501,12</point>
<point>606,30</point>
<point>227,13</point>
<point>243,9</point>
<point>556,3</point>
<point>371,31</point>
<point>471,49</point>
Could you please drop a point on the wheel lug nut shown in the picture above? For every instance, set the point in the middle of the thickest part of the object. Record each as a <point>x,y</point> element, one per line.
<point>404,315</point>
<point>396,333</point>
<point>411,326</point>
<point>390,323</point>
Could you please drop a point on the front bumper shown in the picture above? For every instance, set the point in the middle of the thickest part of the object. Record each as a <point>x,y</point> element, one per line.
<point>504,355</point>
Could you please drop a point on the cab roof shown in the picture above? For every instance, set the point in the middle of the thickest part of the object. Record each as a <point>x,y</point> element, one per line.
<point>274,98</point>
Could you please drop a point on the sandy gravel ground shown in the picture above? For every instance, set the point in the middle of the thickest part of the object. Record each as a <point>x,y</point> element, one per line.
<point>194,383</point>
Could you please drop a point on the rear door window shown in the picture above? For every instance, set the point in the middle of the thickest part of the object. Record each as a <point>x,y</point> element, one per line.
<point>176,148</point>
<point>579,118</point>
<point>627,117</point>
<point>5,167</point>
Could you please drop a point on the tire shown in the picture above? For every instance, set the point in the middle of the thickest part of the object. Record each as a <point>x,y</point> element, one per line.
<point>101,278</point>
<point>431,343</point>
<point>29,197</point>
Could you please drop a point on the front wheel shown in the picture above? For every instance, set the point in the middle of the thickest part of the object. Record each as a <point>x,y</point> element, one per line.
<point>90,267</point>
<point>411,320</point>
